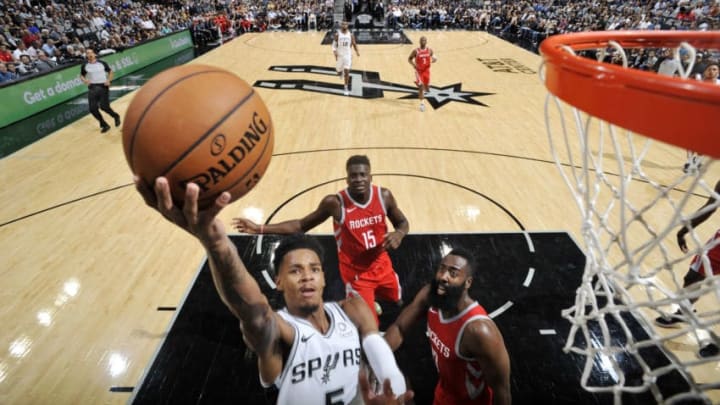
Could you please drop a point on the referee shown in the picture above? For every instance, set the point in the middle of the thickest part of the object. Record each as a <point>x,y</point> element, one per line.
<point>98,75</point>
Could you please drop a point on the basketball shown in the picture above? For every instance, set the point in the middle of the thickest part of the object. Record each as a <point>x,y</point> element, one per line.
<point>199,124</point>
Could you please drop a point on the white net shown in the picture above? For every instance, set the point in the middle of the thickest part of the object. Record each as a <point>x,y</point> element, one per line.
<point>641,324</point>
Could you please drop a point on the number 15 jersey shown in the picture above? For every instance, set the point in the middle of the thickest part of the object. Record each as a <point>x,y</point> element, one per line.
<point>361,230</point>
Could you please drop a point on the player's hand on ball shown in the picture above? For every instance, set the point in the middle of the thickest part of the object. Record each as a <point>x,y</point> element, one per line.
<point>245,225</point>
<point>434,59</point>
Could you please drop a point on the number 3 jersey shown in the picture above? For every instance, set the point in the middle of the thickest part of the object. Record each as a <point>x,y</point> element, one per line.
<point>321,369</point>
<point>361,230</point>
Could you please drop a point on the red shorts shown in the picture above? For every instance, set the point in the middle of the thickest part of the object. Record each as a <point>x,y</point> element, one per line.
<point>379,280</point>
<point>422,76</point>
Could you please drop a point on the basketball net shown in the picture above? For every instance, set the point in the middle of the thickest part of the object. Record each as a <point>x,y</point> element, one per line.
<point>634,196</point>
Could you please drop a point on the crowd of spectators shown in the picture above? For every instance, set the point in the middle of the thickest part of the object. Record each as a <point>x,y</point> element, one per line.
<point>41,35</point>
<point>37,36</point>
<point>529,22</point>
<point>214,21</point>
<point>523,22</point>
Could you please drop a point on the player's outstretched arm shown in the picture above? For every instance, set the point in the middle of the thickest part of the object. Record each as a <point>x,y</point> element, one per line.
<point>395,333</point>
<point>245,225</point>
<point>236,287</point>
<point>329,206</point>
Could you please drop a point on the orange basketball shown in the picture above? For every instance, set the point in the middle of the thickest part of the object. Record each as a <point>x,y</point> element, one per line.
<point>199,124</point>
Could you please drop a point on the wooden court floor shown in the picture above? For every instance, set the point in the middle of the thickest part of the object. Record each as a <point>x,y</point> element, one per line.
<point>85,264</point>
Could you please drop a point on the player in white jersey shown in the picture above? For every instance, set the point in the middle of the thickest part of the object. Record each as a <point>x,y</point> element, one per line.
<point>315,360</point>
<point>311,349</point>
<point>342,43</point>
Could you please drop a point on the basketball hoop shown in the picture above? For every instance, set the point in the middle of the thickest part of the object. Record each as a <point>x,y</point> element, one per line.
<point>602,120</point>
<point>631,98</point>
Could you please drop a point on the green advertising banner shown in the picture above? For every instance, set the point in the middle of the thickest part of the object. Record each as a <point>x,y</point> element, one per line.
<point>31,96</point>
<point>24,132</point>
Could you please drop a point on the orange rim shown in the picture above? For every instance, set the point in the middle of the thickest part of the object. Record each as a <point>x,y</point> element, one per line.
<point>673,110</point>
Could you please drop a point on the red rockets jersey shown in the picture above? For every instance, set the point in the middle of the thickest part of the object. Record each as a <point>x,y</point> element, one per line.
<point>422,58</point>
<point>362,228</point>
<point>461,380</point>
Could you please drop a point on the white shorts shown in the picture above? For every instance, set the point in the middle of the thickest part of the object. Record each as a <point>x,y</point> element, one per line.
<point>343,62</point>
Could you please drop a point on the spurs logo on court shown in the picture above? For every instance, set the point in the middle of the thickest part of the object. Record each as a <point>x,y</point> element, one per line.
<point>506,65</point>
<point>366,84</point>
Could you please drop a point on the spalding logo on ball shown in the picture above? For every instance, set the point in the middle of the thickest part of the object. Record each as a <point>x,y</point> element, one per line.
<point>199,124</point>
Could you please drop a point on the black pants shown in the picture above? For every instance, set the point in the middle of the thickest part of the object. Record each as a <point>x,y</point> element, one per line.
<point>99,96</point>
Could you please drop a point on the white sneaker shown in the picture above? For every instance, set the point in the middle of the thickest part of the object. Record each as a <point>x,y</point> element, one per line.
<point>346,92</point>
<point>422,107</point>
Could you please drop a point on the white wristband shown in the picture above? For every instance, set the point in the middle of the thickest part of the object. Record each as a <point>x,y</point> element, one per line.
<point>383,362</point>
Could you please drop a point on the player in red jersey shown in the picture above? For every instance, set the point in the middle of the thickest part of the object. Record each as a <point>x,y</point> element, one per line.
<point>698,271</point>
<point>468,349</point>
<point>420,59</point>
<point>361,233</point>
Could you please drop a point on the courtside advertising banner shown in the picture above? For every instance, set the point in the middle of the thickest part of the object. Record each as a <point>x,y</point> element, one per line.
<point>31,96</point>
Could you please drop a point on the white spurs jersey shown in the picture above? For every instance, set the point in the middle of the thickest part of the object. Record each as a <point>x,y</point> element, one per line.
<point>344,43</point>
<point>321,369</point>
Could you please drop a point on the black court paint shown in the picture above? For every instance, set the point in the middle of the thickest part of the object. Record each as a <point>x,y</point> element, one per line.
<point>204,360</point>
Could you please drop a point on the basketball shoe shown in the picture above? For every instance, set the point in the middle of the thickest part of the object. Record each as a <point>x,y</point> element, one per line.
<point>709,350</point>
<point>671,321</point>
